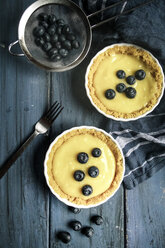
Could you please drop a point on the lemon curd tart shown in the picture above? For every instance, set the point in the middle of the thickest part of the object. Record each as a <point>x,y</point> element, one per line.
<point>124,82</point>
<point>84,167</point>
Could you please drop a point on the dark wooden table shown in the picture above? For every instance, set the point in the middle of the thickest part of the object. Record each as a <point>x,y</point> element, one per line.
<point>30,216</point>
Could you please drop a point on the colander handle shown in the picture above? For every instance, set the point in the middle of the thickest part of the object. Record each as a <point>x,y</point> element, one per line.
<point>116,16</point>
<point>10,51</point>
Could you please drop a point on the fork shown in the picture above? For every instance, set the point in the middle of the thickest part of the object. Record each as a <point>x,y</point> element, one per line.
<point>41,127</point>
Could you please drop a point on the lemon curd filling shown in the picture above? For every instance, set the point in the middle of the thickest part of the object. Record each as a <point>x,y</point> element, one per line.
<point>65,164</point>
<point>105,78</point>
<point>64,161</point>
<point>102,77</point>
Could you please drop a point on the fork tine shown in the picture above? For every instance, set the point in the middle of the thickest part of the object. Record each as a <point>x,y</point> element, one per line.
<point>47,112</point>
<point>51,109</point>
<point>57,113</point>
<point>53,112</point>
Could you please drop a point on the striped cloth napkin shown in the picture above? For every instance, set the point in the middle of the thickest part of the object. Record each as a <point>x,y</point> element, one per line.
<point>143,140</point>
<point>143,145</point>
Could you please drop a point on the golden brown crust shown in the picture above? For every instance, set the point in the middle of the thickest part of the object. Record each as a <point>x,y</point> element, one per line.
<point>147,59</point>
<point>118,174</point>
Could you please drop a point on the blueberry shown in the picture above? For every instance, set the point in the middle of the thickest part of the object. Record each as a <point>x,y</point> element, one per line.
<point>60,22</point>
<point>43,17</point>
<point>98,220</point>
<point>96,152</point>
<point>75,210</point>
<point>130,92</point>
<point>44,24</point>
<point>65,237</point>
<point>140,74</point>
<point>54,38</point>
<point>93,171</point>
<point>120,74</point>
<point>88,231</point>
<point>59,30</point>
<point>82,157</point>
<point>79,175</point>
<point>47,46</point>
<point>65,29</point>
<point>71,37</point>
<point>130,79</point>
<point>87,190</point>
<point>52,19</point>
<point>46,37</point>
<point>76,225</point>
<point>67,44</point>
<point>110,94</point>
<point>39,31</point>
<point>55,58</point>
<point>62,38</point>
<point>39,41</point>
<point>53,51</point>
<point>57,45</point>
<point>75,44</point>
<point>52,30</point>
<point>63,52</point>
<point>120,87</point>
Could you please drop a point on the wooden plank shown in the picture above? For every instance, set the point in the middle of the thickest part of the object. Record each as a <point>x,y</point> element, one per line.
<point>24,205</point>
<point>110,234</point>
<point>145,205</point>
<point>68,88</point>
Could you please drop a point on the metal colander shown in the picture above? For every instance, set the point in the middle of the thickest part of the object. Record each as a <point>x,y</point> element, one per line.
<point>72,15</point>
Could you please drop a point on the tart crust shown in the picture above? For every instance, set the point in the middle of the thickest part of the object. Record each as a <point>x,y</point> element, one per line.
<point>119,170</point>
<point>142,55</point>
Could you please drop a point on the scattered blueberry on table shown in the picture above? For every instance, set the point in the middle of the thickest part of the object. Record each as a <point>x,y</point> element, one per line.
<point>76,225</point>
<point>65,237</point>
<point>97,219</point>
<point>88,231</point>
<point>75,210</point>
<point>53,33</point>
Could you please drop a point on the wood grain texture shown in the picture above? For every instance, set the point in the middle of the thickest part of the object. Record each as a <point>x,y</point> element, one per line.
<point>68,87</point>
<point>30,216</point>
<point>145,218</point>
<point>24,205</point>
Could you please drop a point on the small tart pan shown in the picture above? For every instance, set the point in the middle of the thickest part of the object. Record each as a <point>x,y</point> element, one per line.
<point>88,90</point>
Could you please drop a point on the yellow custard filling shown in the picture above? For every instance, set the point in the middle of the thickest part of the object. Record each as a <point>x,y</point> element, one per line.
<point>62,162</point>
<point>65,163</point>
<point>105,78</point>
<point>102,76</point>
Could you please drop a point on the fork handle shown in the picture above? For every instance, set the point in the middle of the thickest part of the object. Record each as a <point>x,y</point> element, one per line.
<point>14,157</point>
